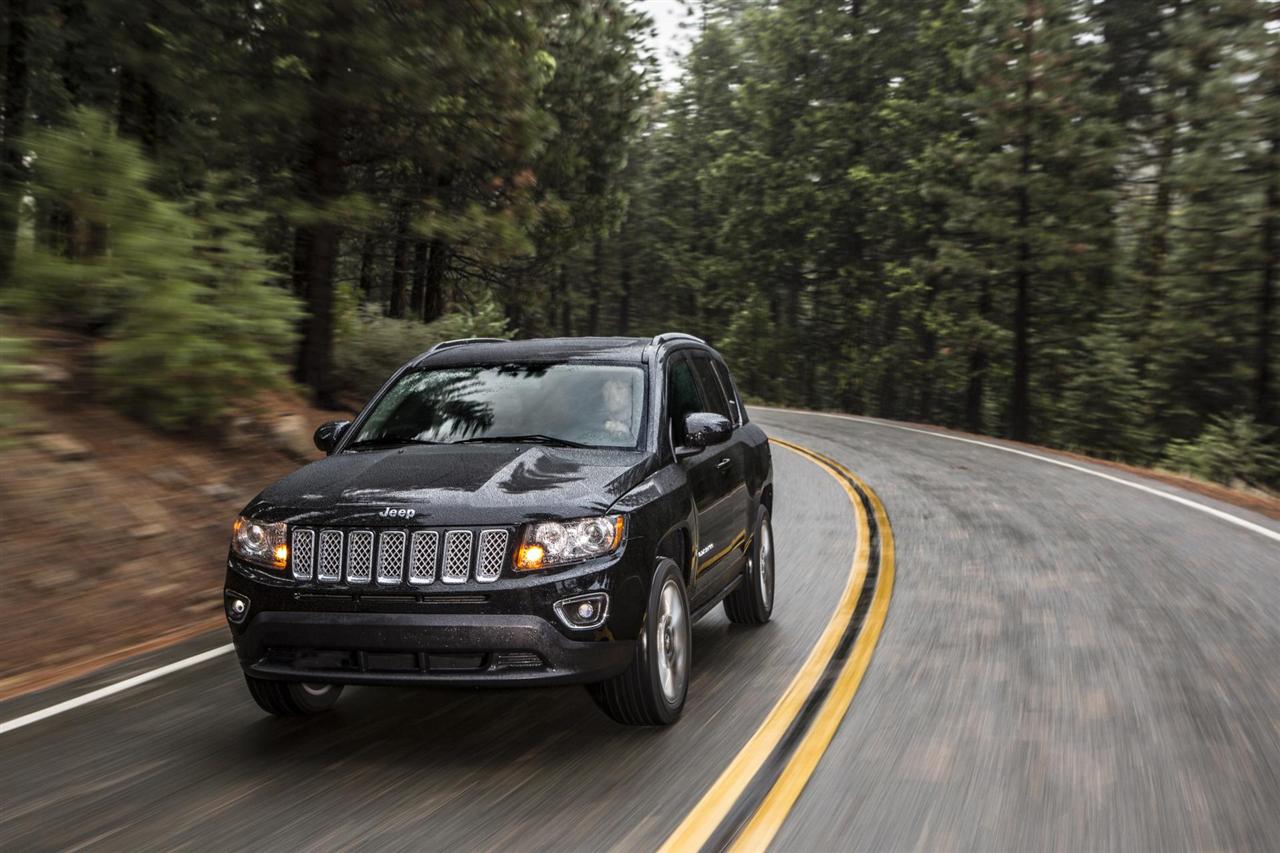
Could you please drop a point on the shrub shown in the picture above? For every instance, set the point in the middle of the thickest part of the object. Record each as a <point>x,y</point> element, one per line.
<point>1232,448</point>
<point>15,379</point>
<point>376,345</point>
<point>181,293</point>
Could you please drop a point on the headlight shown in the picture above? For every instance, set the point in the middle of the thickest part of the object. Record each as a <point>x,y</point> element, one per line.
<point>555,543</point>
<point>259,542</point>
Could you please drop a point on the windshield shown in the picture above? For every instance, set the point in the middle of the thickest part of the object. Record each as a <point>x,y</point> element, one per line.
<point>589,405</point>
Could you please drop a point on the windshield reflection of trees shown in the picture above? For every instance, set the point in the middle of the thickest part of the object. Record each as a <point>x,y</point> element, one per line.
<point>438,402</point>
<point>443,404</point>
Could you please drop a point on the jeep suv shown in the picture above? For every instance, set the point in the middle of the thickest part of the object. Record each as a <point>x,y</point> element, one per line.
<point>512,513</point>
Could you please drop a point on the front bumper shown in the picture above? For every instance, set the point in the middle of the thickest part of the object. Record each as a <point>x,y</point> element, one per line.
<point>410,648</point>
<point>503,633</point>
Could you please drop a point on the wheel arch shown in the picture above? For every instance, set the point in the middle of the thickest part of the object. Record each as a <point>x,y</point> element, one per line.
<point>677,544</point>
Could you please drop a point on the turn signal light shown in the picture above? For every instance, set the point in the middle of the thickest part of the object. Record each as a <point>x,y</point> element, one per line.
<point>280,556</point>
<point>530,557</point>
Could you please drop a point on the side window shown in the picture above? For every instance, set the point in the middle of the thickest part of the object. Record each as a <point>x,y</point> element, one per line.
<point>735,402</point>
<point>716,401</point>
<point>682,397</point>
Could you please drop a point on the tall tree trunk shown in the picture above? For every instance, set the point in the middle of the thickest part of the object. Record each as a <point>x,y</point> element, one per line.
<point>366,267</point>
<point>566,305</point>
<point>1264,401</point>
<point>928,341</point>
<point>139,104</point>
<point>418,295</point>
<point>554,300</point>
<point>320,185</point>
<point>15,111</point>
<point>315,354</point>
<point>400,262</point>
<point>1156,252</point>
<point>513,306</point>
<point>437,263</point>
<point>301,251</point>
<point>1020,402</point>
<point>975,389</point>
<point>593,296</point>
<point>624,298</point>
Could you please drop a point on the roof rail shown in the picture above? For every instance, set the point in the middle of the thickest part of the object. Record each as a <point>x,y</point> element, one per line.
<point>457,342</point>
<point>675,336</point>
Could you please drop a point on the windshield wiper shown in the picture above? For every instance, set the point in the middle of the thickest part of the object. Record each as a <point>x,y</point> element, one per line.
<point>532,438</point>
<point>389,441</point>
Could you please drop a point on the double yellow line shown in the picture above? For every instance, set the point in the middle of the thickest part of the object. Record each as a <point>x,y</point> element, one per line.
<point>744,809</point>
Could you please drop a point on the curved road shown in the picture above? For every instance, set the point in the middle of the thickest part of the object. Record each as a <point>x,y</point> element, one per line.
<point>1067,663</point>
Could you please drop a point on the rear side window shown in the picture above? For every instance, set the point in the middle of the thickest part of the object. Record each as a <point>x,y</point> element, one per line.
<point>735,402</point>
<point>683,397</point>
<point>716,400</point>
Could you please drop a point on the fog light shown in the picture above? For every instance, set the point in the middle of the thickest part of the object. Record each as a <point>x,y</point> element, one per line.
<point>583,612</point>
<point>237,606</point>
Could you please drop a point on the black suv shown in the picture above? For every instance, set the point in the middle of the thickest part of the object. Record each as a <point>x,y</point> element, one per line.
<point>510,513</point>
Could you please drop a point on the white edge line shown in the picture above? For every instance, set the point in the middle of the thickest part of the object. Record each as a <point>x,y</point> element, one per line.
<point>1216,513</point>
<point>111,689</point>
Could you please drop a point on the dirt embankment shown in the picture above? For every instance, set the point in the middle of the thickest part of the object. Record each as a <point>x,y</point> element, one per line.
<point>114,536</point>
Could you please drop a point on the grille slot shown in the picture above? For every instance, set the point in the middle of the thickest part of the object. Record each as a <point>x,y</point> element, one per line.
<point>330,566</point>
<point>517,660</point>
<point>359,556</point>
<point>398,556</point>
<point>491,555</point>
<point>303,553</point>
<point>457,556</point>
<point>390,556</point>
<point>422,556</point>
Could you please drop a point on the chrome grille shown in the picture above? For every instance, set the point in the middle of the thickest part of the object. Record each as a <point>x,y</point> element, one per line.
<point>303,553</point>
<point>457,556</point>
<point>492,554</point>
<point>359,556</point>
<point>422,556</point>
<point>330,567</point>
<point>399,556</point>
<point>390,556</point>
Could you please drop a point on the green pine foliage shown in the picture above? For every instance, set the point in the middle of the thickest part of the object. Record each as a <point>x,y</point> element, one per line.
<point>15,380</point>
<point>190,318</point>
<point>1052,220</point>
<point>373,346</point>
<point>1233,449</point>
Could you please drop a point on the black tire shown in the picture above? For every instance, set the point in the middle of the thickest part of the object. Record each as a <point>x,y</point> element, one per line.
<point>641,696</point>
<point>291,698</point>
<point>752,602</point>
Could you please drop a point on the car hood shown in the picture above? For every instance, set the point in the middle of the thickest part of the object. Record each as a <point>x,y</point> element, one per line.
<point>499,484</point>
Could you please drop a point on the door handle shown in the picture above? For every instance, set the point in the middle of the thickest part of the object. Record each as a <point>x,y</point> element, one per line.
<point>723,463</point>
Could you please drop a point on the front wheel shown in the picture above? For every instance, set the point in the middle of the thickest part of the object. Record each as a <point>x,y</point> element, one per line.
<point>292,698</point>
<point>752,602</point>
<point>652,690</point>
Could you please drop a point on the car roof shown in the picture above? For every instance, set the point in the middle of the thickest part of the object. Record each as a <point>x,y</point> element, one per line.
<point>495,350</point>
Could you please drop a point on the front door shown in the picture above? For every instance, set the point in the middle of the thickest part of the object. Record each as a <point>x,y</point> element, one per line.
<point>711,481</point>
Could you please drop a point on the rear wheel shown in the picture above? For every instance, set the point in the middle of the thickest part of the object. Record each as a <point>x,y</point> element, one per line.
<point>652,690</point>
<point>292,698</point>
<point>752,602</point>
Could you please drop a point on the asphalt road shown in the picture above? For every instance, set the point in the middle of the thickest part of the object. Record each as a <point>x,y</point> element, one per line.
<point>1067,663</point>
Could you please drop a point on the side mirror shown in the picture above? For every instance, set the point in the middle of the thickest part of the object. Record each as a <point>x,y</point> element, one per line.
<point>704,429</point>
<point>328,434</point>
